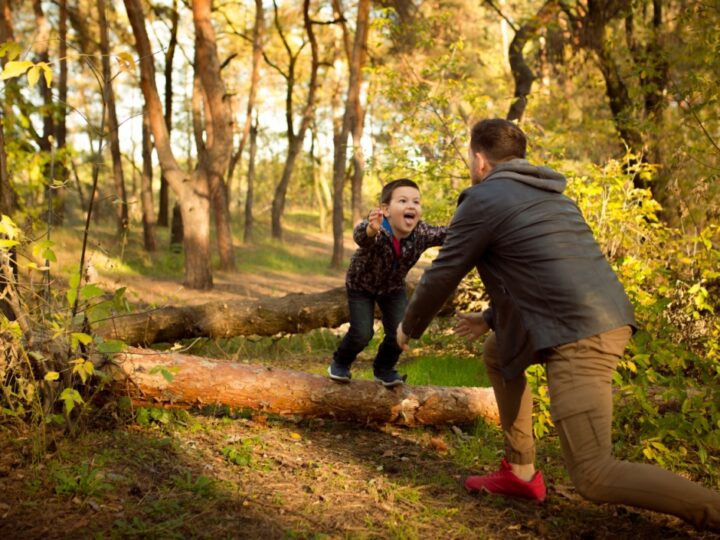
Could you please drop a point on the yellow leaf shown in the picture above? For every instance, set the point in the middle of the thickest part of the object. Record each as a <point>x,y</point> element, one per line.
<point>33,75</point>
<point>126,60</point>
<point>52,376</point>
<point>295,436</point>
<point>15,69</point>
<point>47,72</point>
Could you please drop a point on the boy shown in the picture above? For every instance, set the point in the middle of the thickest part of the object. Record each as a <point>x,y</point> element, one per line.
<point>390,242</point>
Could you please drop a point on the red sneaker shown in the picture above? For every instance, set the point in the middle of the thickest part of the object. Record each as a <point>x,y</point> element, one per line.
<point>504,482</point>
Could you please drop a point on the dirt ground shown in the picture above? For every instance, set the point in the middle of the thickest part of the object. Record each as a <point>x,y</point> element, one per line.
<point>228,474</point>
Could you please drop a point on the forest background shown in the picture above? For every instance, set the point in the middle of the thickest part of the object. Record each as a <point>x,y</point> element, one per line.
<point>181,141</point>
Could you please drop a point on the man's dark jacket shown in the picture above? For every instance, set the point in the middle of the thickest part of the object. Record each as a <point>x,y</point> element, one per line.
<point>548,281</point>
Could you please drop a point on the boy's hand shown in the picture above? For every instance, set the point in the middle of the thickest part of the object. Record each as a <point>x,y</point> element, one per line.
<point>402,339</point>
<point>375,218</point>
<point>471,325</point>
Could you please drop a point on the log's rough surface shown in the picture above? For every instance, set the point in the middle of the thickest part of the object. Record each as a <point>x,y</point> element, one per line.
<point>198,381</point>
<point>295,313</point>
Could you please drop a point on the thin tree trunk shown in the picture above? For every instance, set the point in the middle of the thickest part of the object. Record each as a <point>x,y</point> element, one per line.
<point>7,194</point>
<point>169,57</point>
<point>349,120</point>
<point>522,74</point>
<point>295,140</point>
<point>61,123</point>
<point>358,120</point>
<point>195,380</point>
<point>42,44</point>
<point>258,36</point>
<point>113,126</point>
<point>358,161</point>
<point>250,193</point>
<point>146,194</point>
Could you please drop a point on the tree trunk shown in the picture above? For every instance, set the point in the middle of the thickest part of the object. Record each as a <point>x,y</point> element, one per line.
<point>146,194</point>
<point>257,48</point>
<point>295,140</point>
<point>522,74</point>
<point>176,230</point>
<point>218,128</point>
<point>42,46</point>
<point>349,120</point>
<point>113,126</point>
<point>295,313</point>
<point>198,381</point>
<point>164,203</point>
<point>7,194</point>
<point>61,123</point>
<point>250,193</point>
<point>192,189</point>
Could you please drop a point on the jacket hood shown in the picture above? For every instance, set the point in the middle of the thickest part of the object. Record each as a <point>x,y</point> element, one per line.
<point>533,175</point>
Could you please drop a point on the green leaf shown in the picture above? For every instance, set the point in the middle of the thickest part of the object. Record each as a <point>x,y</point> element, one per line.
<point>15,69</point>
<point>52,376</point>
<point>90,291</point>
<point>71,397</point>
<point>111,346</point>
<point>167,373</point>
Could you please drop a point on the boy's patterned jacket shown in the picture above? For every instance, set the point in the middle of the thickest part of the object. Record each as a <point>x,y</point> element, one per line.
<point>376,268</point>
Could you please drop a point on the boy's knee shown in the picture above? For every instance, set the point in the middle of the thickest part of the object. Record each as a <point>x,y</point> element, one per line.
<point>362,335</point>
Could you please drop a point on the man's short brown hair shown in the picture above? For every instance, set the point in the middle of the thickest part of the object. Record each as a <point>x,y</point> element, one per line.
<point>498,140</point>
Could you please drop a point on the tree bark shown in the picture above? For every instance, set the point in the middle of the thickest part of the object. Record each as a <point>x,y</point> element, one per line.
<point>164,203</point>
<point>521,72</point>
<point>113,126</point>
<point>257,49</point>
<point>349,121</point>
<point>295,140</point>
<point>198,381</point>
<point>61,122</point>
<point>192,189</point>
<point>218,128</point>
<point>295,313</point>
<point>146,194</point>
<point>250,192</point>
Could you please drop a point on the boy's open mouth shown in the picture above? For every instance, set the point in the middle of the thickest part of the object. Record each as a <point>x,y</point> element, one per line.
<point>409,218</point>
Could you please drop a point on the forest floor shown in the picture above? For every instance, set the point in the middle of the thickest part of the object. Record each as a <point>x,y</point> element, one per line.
<point>233,474</point>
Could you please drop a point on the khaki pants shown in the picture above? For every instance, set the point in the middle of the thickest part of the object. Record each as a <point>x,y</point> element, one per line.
<point>579,383</point>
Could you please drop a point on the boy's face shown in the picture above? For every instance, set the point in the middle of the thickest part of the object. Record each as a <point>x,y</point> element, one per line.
<point>403,211</point>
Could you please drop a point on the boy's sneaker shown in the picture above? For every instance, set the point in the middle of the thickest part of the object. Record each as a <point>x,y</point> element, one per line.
<point>504,482</point>
<point>339,373</point>
<point>389,378</point>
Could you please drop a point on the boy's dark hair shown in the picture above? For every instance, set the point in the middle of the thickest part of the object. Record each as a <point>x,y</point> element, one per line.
<point>390,187</point>
<point>498,140</point>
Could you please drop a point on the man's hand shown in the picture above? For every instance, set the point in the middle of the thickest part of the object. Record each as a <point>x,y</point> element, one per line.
<point>402,339</point>
<point>471,325</point>
<point>375,218</point>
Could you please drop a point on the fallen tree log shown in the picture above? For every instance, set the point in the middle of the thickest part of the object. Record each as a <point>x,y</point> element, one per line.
<point>197,381</point>
<point>295,313</point>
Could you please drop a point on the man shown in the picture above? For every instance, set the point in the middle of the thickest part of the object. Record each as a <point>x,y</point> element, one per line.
<point>556,300</point>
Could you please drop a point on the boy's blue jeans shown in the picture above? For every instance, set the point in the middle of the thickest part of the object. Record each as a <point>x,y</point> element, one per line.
<point>362,315</point>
